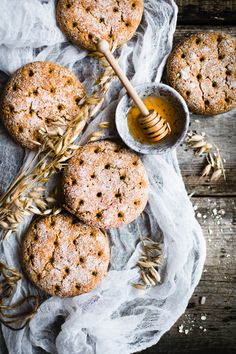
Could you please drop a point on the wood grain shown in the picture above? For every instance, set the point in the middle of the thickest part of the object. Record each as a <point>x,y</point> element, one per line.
<point>221,131</point>
<point>187,30</point>
<point>195,12</point>
<point>218,285</point>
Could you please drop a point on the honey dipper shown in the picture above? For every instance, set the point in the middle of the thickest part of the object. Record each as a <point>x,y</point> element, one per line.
<point>153,125</point>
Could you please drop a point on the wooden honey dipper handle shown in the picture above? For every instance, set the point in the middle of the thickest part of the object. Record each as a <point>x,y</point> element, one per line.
<point>103,47</point>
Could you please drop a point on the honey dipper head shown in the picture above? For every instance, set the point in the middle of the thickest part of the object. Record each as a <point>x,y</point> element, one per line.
<point>154,126</point>
<point>179,120</point>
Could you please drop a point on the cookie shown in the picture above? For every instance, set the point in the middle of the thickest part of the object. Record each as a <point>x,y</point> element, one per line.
<point>86,21</point>
<point>105,185</point>
<point>63,256</point>
<point>39,94</point>
<point>203,70</point>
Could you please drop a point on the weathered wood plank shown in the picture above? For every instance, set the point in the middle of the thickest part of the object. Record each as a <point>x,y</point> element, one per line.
<point>186,30</point>
<point>204,187</point>
<point>197,12</point>
<point>221,131</point>
<point>216,332</point>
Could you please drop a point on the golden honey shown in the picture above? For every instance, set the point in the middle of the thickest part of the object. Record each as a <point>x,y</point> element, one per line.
<point>162,106</point>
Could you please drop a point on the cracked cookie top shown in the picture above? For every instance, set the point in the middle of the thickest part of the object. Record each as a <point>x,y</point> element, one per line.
<point>203,70</point>
<point>40,94</point>
<point>105,185</point>
<point>63,256</point>
<point>86,21</point>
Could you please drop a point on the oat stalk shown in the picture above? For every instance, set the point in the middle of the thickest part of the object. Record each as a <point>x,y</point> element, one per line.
<point>149,263</point>
<point>11,315</point>
<point>214,167</point>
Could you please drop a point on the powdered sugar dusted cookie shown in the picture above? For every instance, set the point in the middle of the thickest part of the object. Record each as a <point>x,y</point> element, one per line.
<point>39,94</point>
<point>105,185</point>
<point>86,21</point>
<point>63,256</point>
<point>203,70</point>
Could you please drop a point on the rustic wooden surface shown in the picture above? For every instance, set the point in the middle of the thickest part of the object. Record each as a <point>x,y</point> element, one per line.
<point>211,327</point>
<point>196,12</point>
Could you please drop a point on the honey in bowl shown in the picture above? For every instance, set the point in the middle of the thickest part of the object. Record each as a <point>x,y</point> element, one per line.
<point>163,106</point>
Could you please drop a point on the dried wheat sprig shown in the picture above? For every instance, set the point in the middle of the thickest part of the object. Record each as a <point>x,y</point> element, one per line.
<point>214,167</point>
<point>14,207</point>
<point>9,278</point>
<point>17,205</point>
<point>148,263</point>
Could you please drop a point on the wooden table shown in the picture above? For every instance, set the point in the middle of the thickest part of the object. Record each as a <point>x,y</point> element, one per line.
<point>210,327</point>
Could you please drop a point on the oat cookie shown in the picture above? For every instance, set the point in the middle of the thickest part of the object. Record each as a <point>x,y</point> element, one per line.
<point>105,185</point>
<point>39,94</point>
<point>203,70</point>
<point>85,21</point>
<point>63,256</point>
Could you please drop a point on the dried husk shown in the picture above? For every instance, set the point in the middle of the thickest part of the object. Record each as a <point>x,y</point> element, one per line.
<point>214,166</point>
<point>148,262</point>
<point>9,278</point>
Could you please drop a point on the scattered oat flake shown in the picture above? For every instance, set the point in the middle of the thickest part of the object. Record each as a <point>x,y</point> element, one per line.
<point>203,318</point>
<point>199,215</point>
<point>186,331</point>
<point>203,300</point>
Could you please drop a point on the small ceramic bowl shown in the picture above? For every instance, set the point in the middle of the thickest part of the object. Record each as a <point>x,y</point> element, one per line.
<point>181,123</point>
